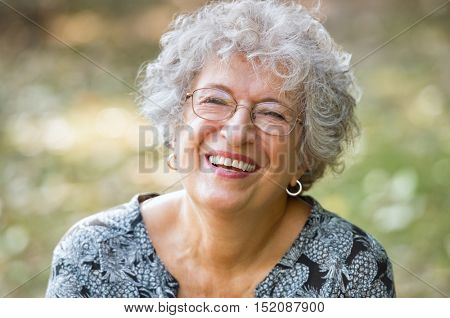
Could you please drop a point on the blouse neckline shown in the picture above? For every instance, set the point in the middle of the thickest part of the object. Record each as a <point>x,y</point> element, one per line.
<point>286,261</point>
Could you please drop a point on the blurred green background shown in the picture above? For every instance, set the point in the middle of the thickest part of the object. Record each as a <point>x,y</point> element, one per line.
<point>69,132</point>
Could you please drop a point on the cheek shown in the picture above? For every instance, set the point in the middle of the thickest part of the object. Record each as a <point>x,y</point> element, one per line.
<point>281,154</point>
<point>192,136</point>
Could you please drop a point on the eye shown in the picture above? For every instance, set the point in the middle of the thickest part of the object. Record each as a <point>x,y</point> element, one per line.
<point>213,100</point>
<point>274,115</point>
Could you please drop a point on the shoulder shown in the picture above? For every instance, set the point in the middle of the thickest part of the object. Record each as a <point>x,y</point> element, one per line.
<point>80,255</point>
<point>99,227</point>
<point>349,261</point>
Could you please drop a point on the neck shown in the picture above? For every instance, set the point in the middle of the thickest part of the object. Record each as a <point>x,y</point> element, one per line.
<point>227,241</point>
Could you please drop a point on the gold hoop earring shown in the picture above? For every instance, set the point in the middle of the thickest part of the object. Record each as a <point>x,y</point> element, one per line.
<point>171,164</point>
<point>294,194</point>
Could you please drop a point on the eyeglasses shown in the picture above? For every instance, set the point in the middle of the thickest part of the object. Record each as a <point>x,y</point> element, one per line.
<point>215,104</point>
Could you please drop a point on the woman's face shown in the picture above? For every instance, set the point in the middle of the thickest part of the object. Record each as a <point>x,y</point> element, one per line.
<point>274,157</point>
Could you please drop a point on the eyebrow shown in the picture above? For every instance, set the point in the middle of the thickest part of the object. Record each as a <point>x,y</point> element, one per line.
<point>229,91</point>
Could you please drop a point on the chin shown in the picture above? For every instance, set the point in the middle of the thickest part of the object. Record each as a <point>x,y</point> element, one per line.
<point>221,199</point>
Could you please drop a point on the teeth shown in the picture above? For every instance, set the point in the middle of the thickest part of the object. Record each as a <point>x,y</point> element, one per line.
<point>219,160</point>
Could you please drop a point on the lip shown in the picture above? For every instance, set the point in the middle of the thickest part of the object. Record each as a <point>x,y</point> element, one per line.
<point>232,174</point>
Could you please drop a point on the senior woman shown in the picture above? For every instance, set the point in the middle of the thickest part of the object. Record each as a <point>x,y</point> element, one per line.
<point>268,100</point>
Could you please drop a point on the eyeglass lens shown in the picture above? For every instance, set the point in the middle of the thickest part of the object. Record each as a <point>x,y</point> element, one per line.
<point>215,104</point>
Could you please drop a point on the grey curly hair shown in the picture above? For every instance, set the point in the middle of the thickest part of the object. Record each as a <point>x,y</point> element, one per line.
<point>284,37</point>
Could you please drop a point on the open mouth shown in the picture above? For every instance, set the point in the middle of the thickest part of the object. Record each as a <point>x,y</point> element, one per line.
<point>231,164</point>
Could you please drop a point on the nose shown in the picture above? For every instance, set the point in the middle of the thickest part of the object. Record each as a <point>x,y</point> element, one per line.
<point>239,129</point>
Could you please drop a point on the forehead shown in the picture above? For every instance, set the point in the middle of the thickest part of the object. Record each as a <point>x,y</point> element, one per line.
<point>242,78</point>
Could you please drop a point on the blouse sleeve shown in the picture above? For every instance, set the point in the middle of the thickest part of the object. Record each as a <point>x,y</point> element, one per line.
<point>71,268</point>
<point>370,271</point>
<point>383,285</point>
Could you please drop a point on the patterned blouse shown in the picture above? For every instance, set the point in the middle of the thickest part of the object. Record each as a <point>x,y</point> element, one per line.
<point>110,254</point>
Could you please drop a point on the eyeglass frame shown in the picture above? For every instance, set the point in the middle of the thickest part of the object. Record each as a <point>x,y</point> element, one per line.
<point>236,104</point>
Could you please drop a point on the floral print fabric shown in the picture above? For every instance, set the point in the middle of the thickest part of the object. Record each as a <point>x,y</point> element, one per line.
<point>110,254</point>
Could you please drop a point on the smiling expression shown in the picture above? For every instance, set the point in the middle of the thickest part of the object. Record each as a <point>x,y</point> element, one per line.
<point>232,164</point>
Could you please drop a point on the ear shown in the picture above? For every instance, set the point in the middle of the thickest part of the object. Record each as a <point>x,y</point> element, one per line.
<point>301,166</point>
<point>170,144</point>
<point>300,171</point>
<point>297,176</point>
